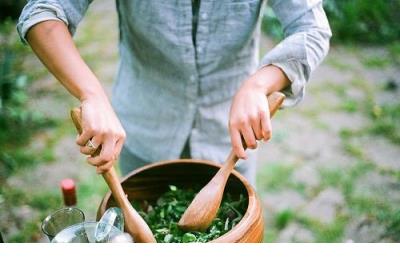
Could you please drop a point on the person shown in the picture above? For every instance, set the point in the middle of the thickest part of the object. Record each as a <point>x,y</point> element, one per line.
<point>189,82</point>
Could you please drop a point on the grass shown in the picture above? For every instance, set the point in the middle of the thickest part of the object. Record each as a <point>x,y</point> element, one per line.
<point>353,150</point>
<point>329,232</point>
<point>332,232</point>
<point>30,232</point>
<point>350,105</point>
<point>386,121</point>
<point>362,83</point>
<point>371,206</point>
<point>339,89</point>
<point>279,222</point>
<point>392,224</point>
<point>275,176</point>
<point>394,52</point>
<point>46,200</point>
<point>338,64</point>
<point>283,218</point>
<point>380,210</point>
<point>344,178</point>
<point>90,191</point>
<point>270,235</point>
<point>41,202</point>
<point>378,62</point>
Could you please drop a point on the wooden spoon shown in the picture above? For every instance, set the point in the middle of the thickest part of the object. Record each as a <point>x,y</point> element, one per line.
<point>134,223</point>
<point>204,207</point>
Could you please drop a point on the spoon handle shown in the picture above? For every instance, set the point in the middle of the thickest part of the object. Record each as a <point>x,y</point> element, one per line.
<point>134,223</point>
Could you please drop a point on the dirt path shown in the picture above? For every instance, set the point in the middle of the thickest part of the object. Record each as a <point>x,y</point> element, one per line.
<point>328,171</point>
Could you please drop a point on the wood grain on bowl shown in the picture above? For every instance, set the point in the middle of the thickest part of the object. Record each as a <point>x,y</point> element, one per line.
<point>151,181</point>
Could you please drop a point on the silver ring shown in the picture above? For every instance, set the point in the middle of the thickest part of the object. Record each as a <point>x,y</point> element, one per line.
<point>90,144</point>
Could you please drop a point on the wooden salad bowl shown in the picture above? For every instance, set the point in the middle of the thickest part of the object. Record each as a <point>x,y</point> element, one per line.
<point>151,181</point>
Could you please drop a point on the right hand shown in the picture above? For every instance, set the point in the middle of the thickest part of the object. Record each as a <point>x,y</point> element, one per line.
<point>100,125</point>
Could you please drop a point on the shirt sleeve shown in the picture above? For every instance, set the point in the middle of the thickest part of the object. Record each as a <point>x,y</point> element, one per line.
<point>70,12</point>
<point>306,43</point>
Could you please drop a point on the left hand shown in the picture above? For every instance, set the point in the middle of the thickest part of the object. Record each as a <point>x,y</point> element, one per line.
<point>249,117</point>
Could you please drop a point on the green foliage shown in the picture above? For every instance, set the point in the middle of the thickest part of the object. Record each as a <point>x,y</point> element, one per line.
<point>386,121</point>
<point>350,105</point>
<point>11,9</point>
<point>378,62</point>
<point>163,217</point>
<point>275,176</point>
<point>17,122</point>
<point>394,51</point>
<point>283,218</point>
<point>392,224</point>
<point>364,21</point>
<point>354,21</point>
<point>30,232</point>
<point>42,203</point>
<point>379,210</point>
<point>344,178</point>
<point>271,25</point>
<point>330,233</point>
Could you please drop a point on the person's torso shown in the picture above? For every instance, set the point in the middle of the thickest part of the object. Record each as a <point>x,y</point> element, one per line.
<point>167,84</point>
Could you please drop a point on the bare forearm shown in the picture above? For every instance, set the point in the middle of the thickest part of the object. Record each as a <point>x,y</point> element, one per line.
<point>269,79</point>
<point>53,44</point>
<point>249,116</point>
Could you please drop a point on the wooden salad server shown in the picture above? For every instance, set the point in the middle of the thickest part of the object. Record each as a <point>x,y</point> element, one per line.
<point>134,223</point>
<point>204,207</point>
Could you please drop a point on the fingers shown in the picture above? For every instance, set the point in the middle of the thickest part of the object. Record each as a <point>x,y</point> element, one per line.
<point>85,136</point>
<point>103,129</point>
<point>236,141</point>
<point>89,150</point>
<point>266,127</point>
<point>106,155</point>
<point>102,161</point>
<point>256,127</point>
<point>103,164</point>
<point>110,149</point>
<point>249,130</point>
<point>249,137</point>
<point>104,168</point>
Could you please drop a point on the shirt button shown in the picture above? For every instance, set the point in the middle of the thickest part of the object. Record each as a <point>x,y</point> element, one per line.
<point>204,16</point>
<point>200,49</point>
<point>192,78</point>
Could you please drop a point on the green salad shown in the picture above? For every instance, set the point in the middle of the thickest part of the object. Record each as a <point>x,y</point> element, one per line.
<point>163,216</point>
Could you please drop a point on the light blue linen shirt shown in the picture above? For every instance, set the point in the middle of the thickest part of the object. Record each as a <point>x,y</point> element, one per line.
<point>170,90</point>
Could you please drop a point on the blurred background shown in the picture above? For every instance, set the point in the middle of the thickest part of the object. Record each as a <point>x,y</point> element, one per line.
<point>331,173</point>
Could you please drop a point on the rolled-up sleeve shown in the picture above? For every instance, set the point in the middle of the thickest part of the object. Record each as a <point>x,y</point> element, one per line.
<point>35,11</point>
<point>305,45</point>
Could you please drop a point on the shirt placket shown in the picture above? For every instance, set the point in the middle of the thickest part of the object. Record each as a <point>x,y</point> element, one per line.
<point>188,52</point>
<point>202,38</point>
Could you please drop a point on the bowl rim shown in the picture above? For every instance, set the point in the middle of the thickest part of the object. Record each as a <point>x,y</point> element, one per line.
<point>238,231</point>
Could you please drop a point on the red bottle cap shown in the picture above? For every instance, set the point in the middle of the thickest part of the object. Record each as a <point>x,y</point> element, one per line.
<point>69,192</point>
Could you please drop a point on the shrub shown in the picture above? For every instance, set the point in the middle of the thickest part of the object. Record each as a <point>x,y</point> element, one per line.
<point>353,21</point>
<point>10,9</point>
<point>17,122</point>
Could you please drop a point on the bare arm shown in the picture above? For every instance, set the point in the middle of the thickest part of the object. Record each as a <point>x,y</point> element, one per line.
<point>249,116</point>
<point>289,63</point>
<point>53,44</point>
